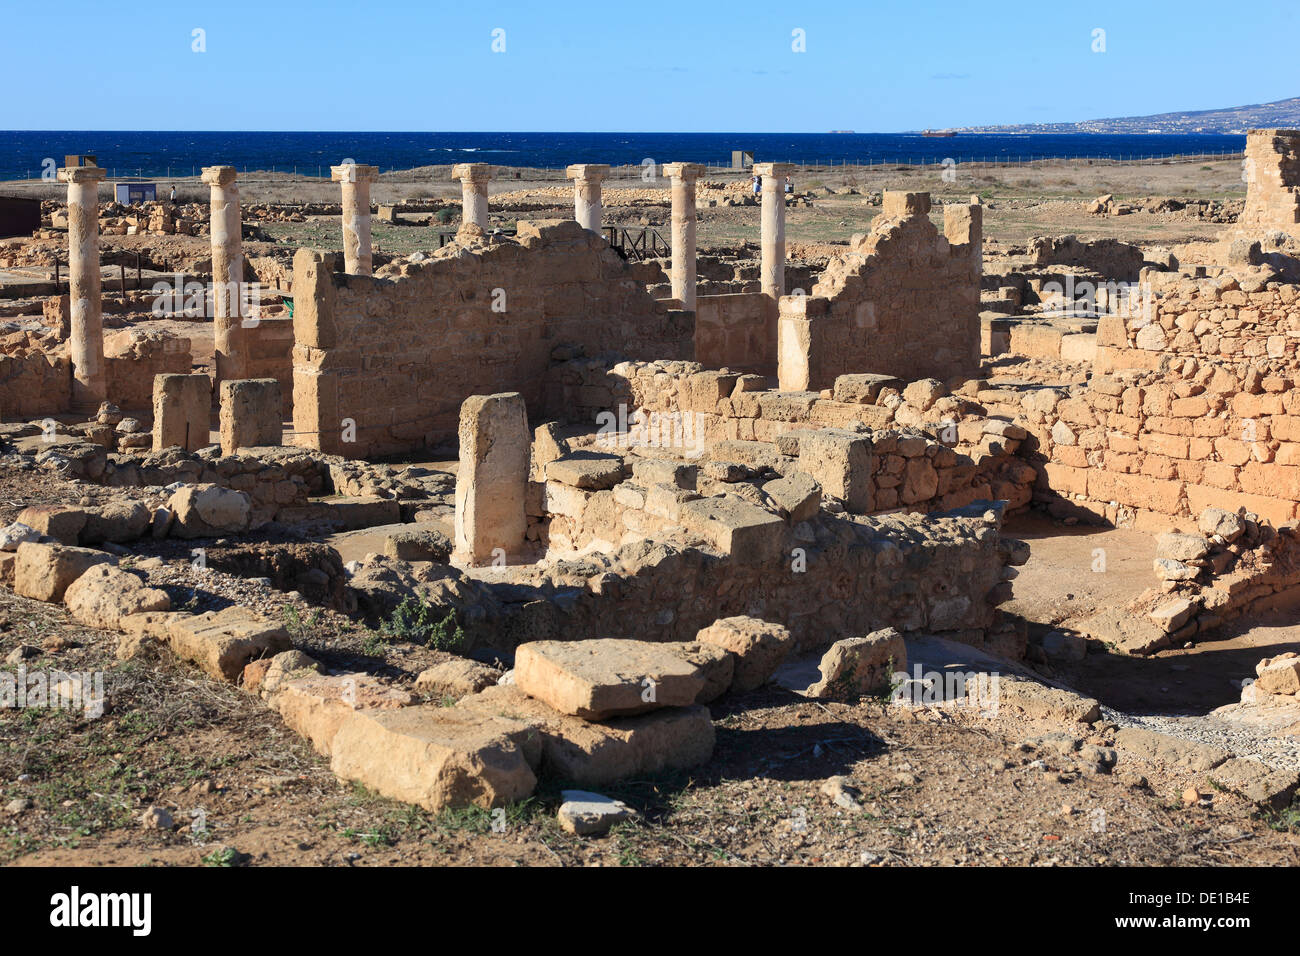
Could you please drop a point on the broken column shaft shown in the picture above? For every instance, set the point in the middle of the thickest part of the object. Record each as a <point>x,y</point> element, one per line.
<point>587,178</point>
<point>682,178</point>
<point>229,353</point>
<point>89,379</point>
<point>355,180</point>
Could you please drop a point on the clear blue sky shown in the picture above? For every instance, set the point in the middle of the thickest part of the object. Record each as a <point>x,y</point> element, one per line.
<point>642,65</point>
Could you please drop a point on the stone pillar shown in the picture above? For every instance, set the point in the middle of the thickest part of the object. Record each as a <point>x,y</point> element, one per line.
<point>356,181</point>
<point>587,178</point>
<point>229,349</point>
<point>85,306</point>
<point>492,478</point>
<point>772,270</point>
<point>252,414</point>
<point>473,192</point>
<point>682,177</point>
<point>182,411</point>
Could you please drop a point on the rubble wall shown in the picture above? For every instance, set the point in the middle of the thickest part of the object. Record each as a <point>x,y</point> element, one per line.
<point>731,331</point>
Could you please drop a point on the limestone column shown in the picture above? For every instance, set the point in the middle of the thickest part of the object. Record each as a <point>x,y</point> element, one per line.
<point>356,181</point>
<point>682,177</point>
<point>772,269</point>
<point>89,380</point>
<point>230,354</point>
<point>474,179</point>
<point>587,178</point>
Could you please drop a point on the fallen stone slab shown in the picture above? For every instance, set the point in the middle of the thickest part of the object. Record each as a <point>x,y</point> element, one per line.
<point>863,389</point>
<point>591,814</point>
<point>1124,633</point>
<point>595,754</point>
<point>44,571</point>
<point>103,595</point>
<point>610,677</point>
<point>861,665</point>
<point>437,757</point>
<point>426,544</point>
<point>223,642</point>
<point>15,534</point>
<point>1169,750</point>
<point>1260,784</point>
<point>456,678</point>
<point>1047,703</point>
<point>589,470</point>
<point>760,648</point>
<point>315,706</point>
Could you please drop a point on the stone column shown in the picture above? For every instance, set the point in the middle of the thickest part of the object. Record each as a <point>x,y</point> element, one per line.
<point>356,182</point>
<point>682,177</point>
<point>473,192</point>
<point>587,178</point>
<point>229,351</point>
<point>86,316</point>
<point>772,270</point>
<point>492,478</point>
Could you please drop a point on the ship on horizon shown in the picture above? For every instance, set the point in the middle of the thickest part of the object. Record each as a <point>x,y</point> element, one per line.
<point>937,132</point>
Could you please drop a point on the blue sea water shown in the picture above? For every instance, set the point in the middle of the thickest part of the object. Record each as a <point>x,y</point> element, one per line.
<point>158,154</point>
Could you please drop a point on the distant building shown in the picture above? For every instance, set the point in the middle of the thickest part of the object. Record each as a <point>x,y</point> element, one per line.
<point>132,194</point>
<point>741,159</point>
<point>80,159</point>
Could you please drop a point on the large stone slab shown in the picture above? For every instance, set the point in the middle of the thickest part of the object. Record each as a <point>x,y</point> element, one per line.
<point>610,677</point>
<point>44,571</point>
<point>316,706</point>
<point>736,527</point>
<point>592,754</point>
<point>839,461</point>
<point>437,757</point>
<point>223,642</point>
<point>1046,703</point>
<point>593,471</point>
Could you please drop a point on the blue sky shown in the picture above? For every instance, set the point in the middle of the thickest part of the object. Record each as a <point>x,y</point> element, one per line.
<point>643,65</point>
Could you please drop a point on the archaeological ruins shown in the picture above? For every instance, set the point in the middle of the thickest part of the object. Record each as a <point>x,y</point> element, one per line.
<point>632,485</point>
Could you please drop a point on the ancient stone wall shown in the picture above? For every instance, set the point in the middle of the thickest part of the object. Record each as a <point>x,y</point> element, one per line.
<point>904,301</point>
<point>1195,408</point>
<point>386,360</point>
<point>269,346</point>
<point>1272,183</point>
<point>35,383</point>
<point>731,332</point>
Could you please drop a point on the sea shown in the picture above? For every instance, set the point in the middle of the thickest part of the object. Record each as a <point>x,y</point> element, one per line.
<point>24,154</point>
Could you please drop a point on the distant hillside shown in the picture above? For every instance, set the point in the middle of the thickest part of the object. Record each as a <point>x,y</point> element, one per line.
<point>1237,119</point>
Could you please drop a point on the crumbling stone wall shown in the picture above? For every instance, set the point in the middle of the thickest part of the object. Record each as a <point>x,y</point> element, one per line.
<point>269,354</point>
<point>382,363</point>
<point>904,301</point>
<point>1272,183</point>
<point>932,451</point>
<point>35,382</point>
<point>1111,258</point>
